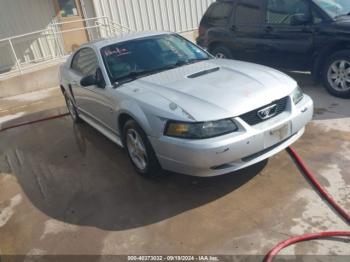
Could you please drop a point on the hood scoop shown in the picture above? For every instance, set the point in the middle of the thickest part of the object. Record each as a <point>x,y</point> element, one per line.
<point>204,72</point>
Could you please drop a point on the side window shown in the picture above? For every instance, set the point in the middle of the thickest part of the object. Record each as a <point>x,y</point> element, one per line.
<point>284,11</point>
<point>85,62</point>
<point>248,12</point>
<point>317,17</point>
<point>219,14</point>
<point>75,60</point>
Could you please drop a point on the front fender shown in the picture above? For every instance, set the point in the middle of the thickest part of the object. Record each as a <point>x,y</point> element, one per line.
<point>151,111</point>
<point>325,51</point>
<point>135,111</point>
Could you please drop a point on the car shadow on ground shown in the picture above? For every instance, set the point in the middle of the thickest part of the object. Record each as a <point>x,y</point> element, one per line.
<point>74,174</point>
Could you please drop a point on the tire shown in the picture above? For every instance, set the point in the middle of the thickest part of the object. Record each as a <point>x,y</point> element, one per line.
<point>222,52</point>
<point>336,74</point>
<point>71,108</point>
<point>140,151</point>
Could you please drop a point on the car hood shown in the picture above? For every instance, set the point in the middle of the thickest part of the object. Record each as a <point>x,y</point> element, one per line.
<point>219,88</point>
<point>343,23</point>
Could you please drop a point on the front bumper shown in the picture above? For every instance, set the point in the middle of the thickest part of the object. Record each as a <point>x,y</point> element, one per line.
<point>225,154</point>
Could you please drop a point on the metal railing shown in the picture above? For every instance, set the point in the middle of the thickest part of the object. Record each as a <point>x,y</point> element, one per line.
<point>111,28</point>
<point>29,50</point>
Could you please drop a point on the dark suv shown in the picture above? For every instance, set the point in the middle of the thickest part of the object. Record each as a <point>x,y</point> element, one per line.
<point>312,35</point>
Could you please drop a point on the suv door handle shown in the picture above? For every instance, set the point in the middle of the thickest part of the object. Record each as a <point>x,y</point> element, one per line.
<point>268,29</point>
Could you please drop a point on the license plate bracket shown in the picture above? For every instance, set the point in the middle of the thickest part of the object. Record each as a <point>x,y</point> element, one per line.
<point>277,134</point>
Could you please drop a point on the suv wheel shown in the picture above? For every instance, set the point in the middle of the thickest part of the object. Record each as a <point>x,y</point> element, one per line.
<point>71,108</point>
<point>336,74</point>
<point>140,151</point>
<point>222,52</point>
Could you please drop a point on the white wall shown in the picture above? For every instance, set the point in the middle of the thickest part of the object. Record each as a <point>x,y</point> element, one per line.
<point>24,16</point>
<point>161,15</point>
<point>19,17</point>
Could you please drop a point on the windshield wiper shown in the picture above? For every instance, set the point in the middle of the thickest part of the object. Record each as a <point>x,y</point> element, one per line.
<point>184,62</point>
<point>195,60</point>
<point>134,75</point>
<point>177,64</point>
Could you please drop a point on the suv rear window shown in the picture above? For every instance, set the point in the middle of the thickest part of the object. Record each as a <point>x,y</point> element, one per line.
<point>219,14</point>
<point>248,12</point>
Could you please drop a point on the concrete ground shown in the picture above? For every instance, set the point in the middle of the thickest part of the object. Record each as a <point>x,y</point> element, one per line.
<point>66,189</point>
<point>29,105</point>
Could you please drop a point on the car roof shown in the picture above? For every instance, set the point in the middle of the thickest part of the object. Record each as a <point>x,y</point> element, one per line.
<point>122,38</point>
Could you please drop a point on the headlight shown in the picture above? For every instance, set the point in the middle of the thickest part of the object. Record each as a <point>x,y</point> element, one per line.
<point>297,95</point>
<point>200,130</point>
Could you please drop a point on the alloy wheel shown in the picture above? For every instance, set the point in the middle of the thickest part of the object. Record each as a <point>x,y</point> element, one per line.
<point>136,149</point>
<point>339,75</point>
<point>220,55</point>
<point>71,108</point>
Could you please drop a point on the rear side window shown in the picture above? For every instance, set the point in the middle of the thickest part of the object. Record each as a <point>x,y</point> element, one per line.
<point>219,14</point>
<point>282,11</point>
<point>249,12</point>
<point>85,62</point>
<point>317,17</point>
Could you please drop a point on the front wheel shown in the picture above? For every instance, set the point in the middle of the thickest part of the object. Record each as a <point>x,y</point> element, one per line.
<point>222,52</point>
<point>336,74</point>
<point>140,151</point>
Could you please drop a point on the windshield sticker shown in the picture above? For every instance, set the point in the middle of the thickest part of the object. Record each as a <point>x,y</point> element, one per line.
<point>117,51</point>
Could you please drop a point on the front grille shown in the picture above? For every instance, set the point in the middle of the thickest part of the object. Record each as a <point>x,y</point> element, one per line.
<point>252,118</point>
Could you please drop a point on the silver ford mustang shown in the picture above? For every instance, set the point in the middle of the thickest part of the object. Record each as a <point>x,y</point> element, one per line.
<point>175,107</point>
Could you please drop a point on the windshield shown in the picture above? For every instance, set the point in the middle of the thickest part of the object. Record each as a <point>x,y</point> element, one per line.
<point>334,8</point>
<point>137,58</point>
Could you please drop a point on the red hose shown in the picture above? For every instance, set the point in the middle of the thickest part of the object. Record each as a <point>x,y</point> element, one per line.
<point>343,213</point>
<point>318,186</point>
<point>271,255</point>
<point>35,121</point>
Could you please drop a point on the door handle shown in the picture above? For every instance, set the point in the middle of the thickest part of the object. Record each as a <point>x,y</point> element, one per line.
<point>268,29</point>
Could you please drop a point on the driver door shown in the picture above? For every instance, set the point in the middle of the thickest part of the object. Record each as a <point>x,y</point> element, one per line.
<point>93,101</point>
<point>287,44</point>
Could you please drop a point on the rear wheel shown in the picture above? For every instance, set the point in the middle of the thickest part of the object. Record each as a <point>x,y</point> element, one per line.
<point>222,52</point>
<point>71,108</point>
<point>336,74</point>
<point>140,151</point>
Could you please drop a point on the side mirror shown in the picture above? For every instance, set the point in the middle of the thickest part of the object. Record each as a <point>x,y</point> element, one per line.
<point>96,80</point>
<point>300,19</point>
<point>88,81</point>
